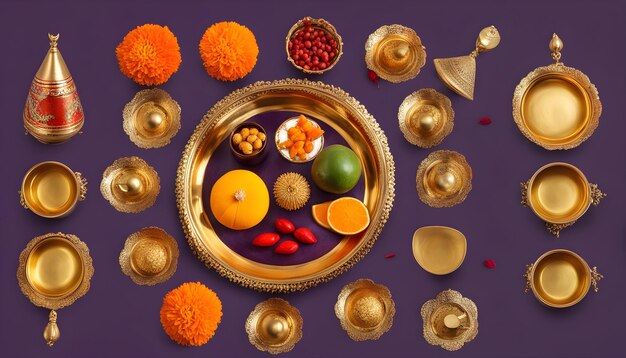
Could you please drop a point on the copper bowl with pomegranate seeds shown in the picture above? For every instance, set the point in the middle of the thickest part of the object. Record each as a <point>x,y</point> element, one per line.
<point>313,45</point>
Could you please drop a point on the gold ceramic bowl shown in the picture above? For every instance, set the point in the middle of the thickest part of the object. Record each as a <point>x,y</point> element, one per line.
<point>450,320</point>
<point>130,185</point>
<point>316,24</point>
<point>151,118</point>
<point>395,53</point>
<point>426,117</point>
<point>443,179</point>
<point>150,256</point>
<point>365,310</point>
<point>274,326</point>
<point>52,189</point>
<point>560,278</point>
<point>439,250</point>
<point>282,135</point>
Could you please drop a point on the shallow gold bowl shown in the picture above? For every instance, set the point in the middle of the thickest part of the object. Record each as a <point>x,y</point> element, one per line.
<point>274,326</point>
<point>338,111</point>
<point>426,117</point>
<point>443,179</point>
<point>151,118</point>
<point>395,53</point>
<point>282,135</point>
<point>130,185</point>
<point>450,320</point>
<point>150,256</point>
<point>51,189</point>
<point>365,310</point>
<point>439,250</point>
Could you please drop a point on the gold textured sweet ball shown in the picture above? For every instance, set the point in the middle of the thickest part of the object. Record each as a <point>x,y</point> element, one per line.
<point>149,257</point>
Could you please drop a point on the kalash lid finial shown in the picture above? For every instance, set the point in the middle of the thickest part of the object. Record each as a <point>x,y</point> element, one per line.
<point>53,40</point>
<point>53,67</point>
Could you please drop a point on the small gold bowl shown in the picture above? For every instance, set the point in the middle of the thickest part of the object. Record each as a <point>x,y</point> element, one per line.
<point>439,250</point>
<point>151,118</point>
<point>365,310</point>
<point>130,185</point>
<point>450,320</point>
<point>426,117</point>
<point>52,189</point>
<point>274,326</point>
<point>150,256</point>
<point>316,24</point>
<point>443,179</point>
<point>395,53</point>
<point>282,135</point>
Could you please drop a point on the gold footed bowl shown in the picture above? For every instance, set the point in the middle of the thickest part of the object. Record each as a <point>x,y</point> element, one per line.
<point>426,117</point>
<point>395,53</point>
<point>149,257</point>
<point>151,118</point>
<point>130,185</point>
<point>443,179</point>
<point>274,326</point>
<point>450,320</point>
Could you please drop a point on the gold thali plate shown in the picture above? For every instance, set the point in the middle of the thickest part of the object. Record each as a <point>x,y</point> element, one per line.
<point>443,179</point>
<point>439,250</point>
<point>426,117</point>
<point>326,103</point>
<point>395,53</point>
<point>151,118</point>
<point>274,326</point>
<point>450,320</point>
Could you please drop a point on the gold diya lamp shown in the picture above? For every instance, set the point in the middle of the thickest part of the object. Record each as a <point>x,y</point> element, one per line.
<point>450,320</point>
<point>365,310</point>
<point>151,118</point>
<point>149,256</point>
<point>52,190</point>
<point>559,194</point>
<point>274,326</point>
<point>443,179</point>
<point>395,53</point>
<point>555,106</point>
<point>426,117</point>
<point>561,278</point>
<point>53,112</point>
<point>54,271</point>
<point>130,185</point>
<point>439,250</point>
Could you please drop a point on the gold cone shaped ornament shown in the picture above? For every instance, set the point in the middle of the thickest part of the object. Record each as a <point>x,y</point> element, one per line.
<point>459,73</point>
<point>53,112</point>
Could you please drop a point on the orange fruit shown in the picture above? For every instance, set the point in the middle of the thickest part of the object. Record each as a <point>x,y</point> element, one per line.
<point>320,214</point>
<point>348,216</point>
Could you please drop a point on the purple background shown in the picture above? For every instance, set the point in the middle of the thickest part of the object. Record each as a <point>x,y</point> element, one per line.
<point>119,318</point>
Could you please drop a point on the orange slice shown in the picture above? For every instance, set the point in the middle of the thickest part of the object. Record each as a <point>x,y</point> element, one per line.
<point>320,214</point>
<point>348,216</point>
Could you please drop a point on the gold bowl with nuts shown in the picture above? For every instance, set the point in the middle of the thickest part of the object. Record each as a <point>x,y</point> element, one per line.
<point>248,143</point>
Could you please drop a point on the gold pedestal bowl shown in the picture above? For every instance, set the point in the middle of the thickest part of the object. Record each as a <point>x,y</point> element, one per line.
<point>443,179</point>
<point>274,326</point>
<point>151,118</point>
<point>395,53</point>
<point>130,185</point>
<point>426,117</point>
<point>450,320</point>
<point>150,256</point>
<point>439,250</point>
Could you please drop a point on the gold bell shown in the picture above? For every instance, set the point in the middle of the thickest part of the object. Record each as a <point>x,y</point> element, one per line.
<point>459,73</point>
<point>52,333</point>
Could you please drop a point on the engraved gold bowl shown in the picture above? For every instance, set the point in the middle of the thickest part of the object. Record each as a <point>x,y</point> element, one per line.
<point>450,320</point>
<point>443,179</point>
<point>365,310</point>
<point>282,135</point>
<point>151,118</point>
<point>51,189</point>
<point>316,24</point>
<point>274,326</point>
<point>395,53</point>
<point>439,250</point>
<point>130,185</point>
<point>560,278</point>
<point>426,117</point>
<point>555,106</point>
<point>149,256</point>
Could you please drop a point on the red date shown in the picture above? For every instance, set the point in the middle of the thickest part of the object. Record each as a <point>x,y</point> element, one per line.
<point>266,239</point>
<point>305,236</point>
<point>284,226</point>
<point>286,248</point>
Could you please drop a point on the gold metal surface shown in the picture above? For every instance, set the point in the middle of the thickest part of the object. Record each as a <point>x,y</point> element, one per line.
<point>365,310</point>
<point>282,135</point>
<point>326,103</point>
<point>426,117</point>
<point>439,250</point>
<point>462,328</point>
<point>130,185</point>
<point>274,326</point>
<point>395,53</point>
<point>51,189</point>
<point>151,118</point>
<point>555,106</point>
<point>149,256</point>
<point>443,179</point>
<point>319,24</point>
<point>561,278</point>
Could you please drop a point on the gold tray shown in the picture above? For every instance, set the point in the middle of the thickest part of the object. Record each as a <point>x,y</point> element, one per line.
<point>559,194</point>
<point>395,53</point>
<point>274,326</point>
<point>335,108</point>
<point>555,106</point>
<point>439,250</point>
<point>426,117</point>
<point>450,320</point>
<point>560,278</point>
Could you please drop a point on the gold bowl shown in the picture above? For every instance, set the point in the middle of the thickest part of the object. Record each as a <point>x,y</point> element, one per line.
<point>52,189</point>
<point>555,106</point>
<point>365,310</point>
<point>450,320</point>
<point>439,250</point>
<point>426,117</point>
<point>151,118</point>
<point>150,256</point>
<point>274,326</point>
<point>443,179</point>
<point>282,135</point>
<point>395,53</point>
<point>316,24</point>
<point>560,278</point>
<point>130,185</point>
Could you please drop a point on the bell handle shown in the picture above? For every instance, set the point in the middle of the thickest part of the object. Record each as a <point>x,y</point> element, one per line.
<point>23,200</point>
<point>596,194</point>
<point>524,192</point>
<point>595,277</point>
<point>51,333</point>
<point>83,185</point>
<point>527,276</point>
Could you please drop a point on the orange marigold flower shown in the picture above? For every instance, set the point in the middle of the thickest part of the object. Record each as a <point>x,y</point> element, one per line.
<point>228,50</point>
<point>149,54</point>
<point>191,313</point>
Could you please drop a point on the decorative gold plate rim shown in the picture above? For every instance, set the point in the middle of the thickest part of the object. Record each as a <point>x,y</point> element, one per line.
<point>149,233</point>
<point>130,162</point>
<point>457,233</point>
<point>358,117</point>
<point>443,202</point>
<point>414,42</point>
<point>295,333</point>
<point>443,103</point>
<point>446,297</point>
